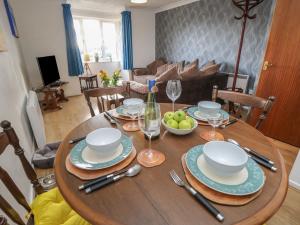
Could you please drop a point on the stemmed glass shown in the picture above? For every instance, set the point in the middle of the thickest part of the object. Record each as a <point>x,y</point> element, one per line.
<point>173,91</point>
<point>215,121</point>
<point>133,112</point>
<point>149,120</point>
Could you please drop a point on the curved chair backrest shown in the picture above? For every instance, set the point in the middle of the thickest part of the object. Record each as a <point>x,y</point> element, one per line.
<point>113,95</point>
<point>248,100</point>
<point>9,137</point>
<point>3,220</point>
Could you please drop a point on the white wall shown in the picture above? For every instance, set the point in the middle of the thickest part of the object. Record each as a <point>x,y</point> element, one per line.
<point>12,100</point>
<point>143,36</point>
<point>41,28</point>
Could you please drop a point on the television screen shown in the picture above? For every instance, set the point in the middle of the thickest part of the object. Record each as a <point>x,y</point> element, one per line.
<point>48,69</point>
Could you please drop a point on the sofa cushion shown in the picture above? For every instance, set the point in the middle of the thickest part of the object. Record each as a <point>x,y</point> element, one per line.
<point>161,69</point>
<point>144,79</point>
<point>209,70</point>
<point>140,71</point>
<point>138,87</point>
<point>190,72</point>
<point>170,74</point>
<point>179,66</point>
<point>192,64</point>
<point>50,208</point>
<point>208,64</point>
<point>152,67</point>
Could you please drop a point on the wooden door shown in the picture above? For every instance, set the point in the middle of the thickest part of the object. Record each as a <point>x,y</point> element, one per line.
<point>280,74</point>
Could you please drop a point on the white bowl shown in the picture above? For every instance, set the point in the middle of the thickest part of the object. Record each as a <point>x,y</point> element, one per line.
<point>180,131</point>
<point>224,158</point>
<point>104,141</point>
<point>133,105</point>
<point>209,107</point>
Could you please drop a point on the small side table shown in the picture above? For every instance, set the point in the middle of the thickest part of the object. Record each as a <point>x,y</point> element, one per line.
<point>90,82</point>
<point>53,95</point>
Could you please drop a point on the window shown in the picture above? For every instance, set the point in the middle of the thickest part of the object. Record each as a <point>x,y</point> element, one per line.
<point>98,38</point>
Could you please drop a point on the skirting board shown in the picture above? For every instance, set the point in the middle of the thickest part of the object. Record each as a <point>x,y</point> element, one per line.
<point>294,178</point>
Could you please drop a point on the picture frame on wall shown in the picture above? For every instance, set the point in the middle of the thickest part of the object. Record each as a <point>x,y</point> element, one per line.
<point>11,19</point>
<point>2,41</point>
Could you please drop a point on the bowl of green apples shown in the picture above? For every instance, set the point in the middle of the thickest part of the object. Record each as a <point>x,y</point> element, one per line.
<point>179,123</point>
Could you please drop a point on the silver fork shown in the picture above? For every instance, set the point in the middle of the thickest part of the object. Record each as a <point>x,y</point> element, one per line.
<point>199,197</point>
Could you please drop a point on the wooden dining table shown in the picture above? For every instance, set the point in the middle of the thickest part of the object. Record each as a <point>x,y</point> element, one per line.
<point>152,198</point>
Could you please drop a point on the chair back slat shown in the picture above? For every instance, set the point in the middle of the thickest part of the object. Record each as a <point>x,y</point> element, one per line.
<point>9,137</point>
<point>14,141</point>
<point>4,142</point>
<point>3,220</point>
<point>110,94</point>
<point>13,189</point>
<point>10,211</point>
<point>246,100</point>
<point>100,104</point>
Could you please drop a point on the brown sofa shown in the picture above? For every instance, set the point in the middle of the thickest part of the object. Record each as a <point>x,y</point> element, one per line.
<point>140,75</point>
<point>193,91</point>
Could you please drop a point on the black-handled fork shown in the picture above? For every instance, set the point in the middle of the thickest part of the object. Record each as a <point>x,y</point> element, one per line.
<point>112,118</point>
<point>109,119</point>
<point>199,197</point>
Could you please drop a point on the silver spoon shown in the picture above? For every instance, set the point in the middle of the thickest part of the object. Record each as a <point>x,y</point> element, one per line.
<point>262,160</point>
<point>131,172</point>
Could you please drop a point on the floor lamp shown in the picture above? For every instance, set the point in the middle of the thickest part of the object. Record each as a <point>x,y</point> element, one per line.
<point>87,68</point>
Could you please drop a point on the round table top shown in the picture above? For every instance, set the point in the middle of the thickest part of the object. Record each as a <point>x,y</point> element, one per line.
<point>153,198</point>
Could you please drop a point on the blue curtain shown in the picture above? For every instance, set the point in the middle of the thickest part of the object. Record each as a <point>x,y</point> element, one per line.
<point>127,40</point>
<point>74,58</point>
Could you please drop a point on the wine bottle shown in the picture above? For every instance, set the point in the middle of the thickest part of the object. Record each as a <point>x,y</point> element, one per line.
<point>152,89</point>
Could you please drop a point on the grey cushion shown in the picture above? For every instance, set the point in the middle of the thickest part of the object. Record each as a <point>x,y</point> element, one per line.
<point>44,158</point>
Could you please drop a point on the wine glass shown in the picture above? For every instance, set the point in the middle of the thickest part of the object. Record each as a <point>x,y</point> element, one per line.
<point>149,120</point>
<point>173,91</point>
<point>215,121</point>
<point>132,112</point>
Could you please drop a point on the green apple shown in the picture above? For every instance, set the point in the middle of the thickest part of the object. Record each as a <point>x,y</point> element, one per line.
<point>172,123</point>
<point>191,121</point>
<point>168,116</point>
<point>185,124</point>
<point>179,115</point>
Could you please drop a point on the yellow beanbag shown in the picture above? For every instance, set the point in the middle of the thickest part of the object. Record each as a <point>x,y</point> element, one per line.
<point>51,209</point>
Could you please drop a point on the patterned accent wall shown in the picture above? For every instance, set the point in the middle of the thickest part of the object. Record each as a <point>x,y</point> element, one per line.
<point>207,30</point>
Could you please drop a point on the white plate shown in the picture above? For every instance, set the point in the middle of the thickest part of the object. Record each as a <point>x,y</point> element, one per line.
<point>91,156</point>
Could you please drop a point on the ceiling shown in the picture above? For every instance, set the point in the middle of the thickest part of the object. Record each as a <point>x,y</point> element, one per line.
<point>115,6</point>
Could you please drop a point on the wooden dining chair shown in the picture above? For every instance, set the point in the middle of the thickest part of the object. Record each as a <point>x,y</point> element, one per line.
<point>3,220</point>
<point>45,201</point>
<point>106,97</point>
<point>242,99</point>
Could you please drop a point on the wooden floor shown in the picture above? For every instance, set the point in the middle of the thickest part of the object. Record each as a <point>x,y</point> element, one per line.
<point>59,123</point>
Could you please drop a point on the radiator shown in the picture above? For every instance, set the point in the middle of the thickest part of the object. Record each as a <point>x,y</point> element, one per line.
<point>36,119</point>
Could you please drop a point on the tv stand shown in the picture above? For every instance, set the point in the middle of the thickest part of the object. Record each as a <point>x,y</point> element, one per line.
<point>57,84</point>
<point>53,94</point>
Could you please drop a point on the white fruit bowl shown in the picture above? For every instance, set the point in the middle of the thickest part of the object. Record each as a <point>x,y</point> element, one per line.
<point>180,131</point>
<point>224,158</point>
<point>104,141</point>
